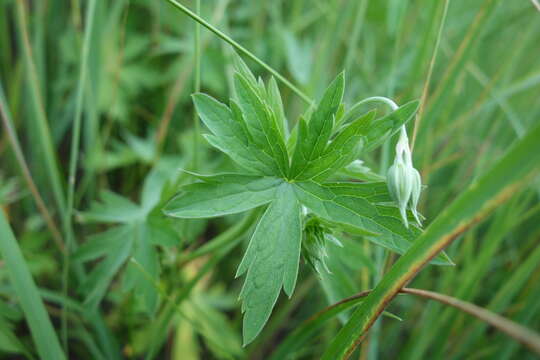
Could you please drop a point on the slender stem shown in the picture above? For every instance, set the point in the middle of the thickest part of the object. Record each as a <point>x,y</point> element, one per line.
<point>197,51</point>
<point>25,170</point>
<point>74,155</point>
<point>241,49</point>
<point>430,72</point>
<point>516,331</point>
<point>178,87</point>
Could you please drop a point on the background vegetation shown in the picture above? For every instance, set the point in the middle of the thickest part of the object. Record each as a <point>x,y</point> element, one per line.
<point>140,285</point>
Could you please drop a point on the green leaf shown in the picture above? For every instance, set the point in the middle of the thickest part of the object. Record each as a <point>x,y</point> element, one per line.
<point>348,204</point>
<point>261,123</point>
<point>231,136</point>
<point>271,260</point>
<point>383,128</point>
<point>343,149</point>
<point>235,194</point>
<point>38,320</point>
<point>141,228</point>
<point>313,136</point>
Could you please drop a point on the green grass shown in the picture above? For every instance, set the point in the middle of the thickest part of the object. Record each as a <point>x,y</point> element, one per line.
<point>99,132</point>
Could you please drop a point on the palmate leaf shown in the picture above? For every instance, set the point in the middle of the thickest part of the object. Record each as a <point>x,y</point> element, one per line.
<point>139,229</point>
<point>271,260</point>
<point>253,132</point>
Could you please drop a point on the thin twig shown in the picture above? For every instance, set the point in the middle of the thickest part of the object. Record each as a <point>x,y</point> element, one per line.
<point>74,156</point>
<point>516,331</point>
<point>178,87</point>
<point>197,87</point>
<point>418,117</point>
<point>241,49</point>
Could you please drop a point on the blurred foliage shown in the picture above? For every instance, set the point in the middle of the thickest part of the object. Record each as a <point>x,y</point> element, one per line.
<point>137,135</point>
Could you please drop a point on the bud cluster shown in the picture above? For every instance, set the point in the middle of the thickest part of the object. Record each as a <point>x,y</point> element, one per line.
<point>314,245</point>
<point>404,183</point>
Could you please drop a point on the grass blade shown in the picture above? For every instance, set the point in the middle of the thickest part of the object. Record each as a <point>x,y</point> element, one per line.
<point>73,158</point>
<point>25,170</point>
<point>40,325</point>
<point>38,107</point>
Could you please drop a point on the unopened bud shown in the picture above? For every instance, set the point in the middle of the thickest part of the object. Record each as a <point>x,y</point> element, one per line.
<point>404,183</point>
<point>400,185</point>
<point>314,245</point>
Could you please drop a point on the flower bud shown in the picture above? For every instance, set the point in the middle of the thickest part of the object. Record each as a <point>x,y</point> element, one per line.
<point>404,183</point>
<point>314,245</point>
<point>400,185</point>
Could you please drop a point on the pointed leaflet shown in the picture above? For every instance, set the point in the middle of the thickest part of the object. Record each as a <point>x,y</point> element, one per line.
<point>241,68</point>
<point>350,207</point>
<point>231,135</point>
<point>311,143</point>
<point>274,100</point>
<point>261,122</point>
<point>271,260</point>
<point>343,149</point>
<point>235,194</point>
